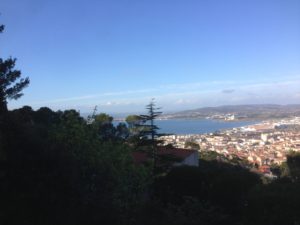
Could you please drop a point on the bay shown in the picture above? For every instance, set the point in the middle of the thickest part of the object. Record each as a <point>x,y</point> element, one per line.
<point>200,126</point>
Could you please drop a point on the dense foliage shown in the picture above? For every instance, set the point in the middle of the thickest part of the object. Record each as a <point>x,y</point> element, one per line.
<point>11,83</point>
<point>58,169</point>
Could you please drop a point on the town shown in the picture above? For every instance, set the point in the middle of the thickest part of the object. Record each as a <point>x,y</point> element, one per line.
<point>261,145</point>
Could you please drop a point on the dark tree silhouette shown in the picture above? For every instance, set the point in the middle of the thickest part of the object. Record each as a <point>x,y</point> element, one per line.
<point>293,163</point>
<point>149,130</point>
<point>11,84</point>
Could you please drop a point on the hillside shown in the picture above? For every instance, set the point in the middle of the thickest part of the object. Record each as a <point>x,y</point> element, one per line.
<point>241,112</point>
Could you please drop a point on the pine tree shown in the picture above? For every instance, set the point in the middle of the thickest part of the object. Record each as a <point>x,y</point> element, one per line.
<point>149,131</point>
<point>11,84</point>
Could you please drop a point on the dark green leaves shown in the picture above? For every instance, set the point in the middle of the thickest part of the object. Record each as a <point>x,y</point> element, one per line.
<point>11,83</point>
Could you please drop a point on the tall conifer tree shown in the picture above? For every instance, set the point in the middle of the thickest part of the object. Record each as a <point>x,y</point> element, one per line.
<point>149,133</point>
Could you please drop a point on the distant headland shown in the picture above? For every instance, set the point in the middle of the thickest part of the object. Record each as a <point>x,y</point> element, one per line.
<point>238,112</point>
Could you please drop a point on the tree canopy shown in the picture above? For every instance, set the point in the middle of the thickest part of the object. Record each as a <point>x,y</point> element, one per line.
<point>11,83</point>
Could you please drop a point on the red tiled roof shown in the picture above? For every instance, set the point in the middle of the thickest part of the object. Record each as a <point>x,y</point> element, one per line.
<point>139,157</point>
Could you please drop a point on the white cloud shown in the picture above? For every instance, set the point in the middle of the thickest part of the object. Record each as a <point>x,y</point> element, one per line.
<point>282,90</point>
<point>92,96</point>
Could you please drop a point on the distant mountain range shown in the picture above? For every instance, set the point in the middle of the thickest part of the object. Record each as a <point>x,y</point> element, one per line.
<point>240,112</point>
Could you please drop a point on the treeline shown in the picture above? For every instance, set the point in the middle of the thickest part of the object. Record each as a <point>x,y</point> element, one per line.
<point>58,168</point>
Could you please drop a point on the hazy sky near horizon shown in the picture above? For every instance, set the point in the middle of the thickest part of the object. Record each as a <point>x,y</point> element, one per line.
<point>118,54</point>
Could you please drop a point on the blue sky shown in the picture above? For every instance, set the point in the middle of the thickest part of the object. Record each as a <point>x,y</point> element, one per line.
<point>185,54</point>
